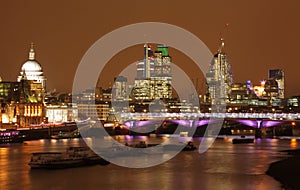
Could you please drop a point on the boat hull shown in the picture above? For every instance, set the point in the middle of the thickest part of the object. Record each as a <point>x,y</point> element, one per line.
<point>242,141</point>
<point>73,157</point>
<point>69,163</point>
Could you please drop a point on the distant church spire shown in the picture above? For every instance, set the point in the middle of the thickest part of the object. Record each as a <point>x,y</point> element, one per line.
<point>31,52</point>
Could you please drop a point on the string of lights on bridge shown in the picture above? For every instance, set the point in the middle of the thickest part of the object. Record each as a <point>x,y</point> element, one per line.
<point>149,116</point>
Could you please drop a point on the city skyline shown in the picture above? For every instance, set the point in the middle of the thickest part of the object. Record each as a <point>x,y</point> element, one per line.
<point>258,38</point>
<point>150,94</point>
<point>157,66</point>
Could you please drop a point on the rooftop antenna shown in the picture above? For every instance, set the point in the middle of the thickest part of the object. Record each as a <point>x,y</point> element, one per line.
<point>222,39</point>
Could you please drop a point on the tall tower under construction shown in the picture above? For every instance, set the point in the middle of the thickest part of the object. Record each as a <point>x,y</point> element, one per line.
<point>219,77</point>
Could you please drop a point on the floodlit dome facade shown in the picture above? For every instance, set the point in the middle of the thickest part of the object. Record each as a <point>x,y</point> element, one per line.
<point>32,70</point>
<point>31,66</point>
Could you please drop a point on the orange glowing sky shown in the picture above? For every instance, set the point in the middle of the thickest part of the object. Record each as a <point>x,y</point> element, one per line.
<point>262,35</point>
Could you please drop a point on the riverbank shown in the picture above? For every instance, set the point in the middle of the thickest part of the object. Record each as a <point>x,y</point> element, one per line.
<point>287,171</point>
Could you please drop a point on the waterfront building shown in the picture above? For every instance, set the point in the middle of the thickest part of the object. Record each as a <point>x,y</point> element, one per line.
<point>29,114</point>
<point>61,113</point>
<point>94,104</point>
<point>22,102</point>
<point>278,76</point>
<point>59,108</point>
<point>182,107</point>
<point>99,110</point>
<point>219,77</point>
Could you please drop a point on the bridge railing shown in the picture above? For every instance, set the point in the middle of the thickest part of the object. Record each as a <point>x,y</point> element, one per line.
<point>163,116</point>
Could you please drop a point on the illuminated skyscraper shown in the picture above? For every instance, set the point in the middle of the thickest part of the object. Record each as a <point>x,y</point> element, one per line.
<point>145,67</point>
<point>162,77</point>
<point>219,77</point>
<point>153,75</point>
<point>119,91</point>
<point>278,76</point>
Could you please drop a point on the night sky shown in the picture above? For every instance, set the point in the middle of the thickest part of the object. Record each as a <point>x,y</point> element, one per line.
<point>261,35</point>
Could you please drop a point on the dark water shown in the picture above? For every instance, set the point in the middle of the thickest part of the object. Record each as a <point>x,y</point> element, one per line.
<point>223,166</point>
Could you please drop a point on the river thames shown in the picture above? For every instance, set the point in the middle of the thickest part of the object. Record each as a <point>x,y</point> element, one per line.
<point>223,166</point>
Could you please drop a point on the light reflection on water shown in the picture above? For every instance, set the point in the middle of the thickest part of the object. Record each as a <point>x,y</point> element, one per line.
<point>293,143</point>
<point>223,166</point>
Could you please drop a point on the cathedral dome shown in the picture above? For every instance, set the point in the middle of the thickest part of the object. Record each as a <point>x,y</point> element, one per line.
<point>31,66</point>
<point>32,70</point>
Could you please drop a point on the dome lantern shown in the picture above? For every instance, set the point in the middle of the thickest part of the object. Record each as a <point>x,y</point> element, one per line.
<point>31,52</point>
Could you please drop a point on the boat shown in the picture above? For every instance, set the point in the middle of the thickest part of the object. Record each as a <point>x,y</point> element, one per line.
<point>142,144</point>
<point>73,157</point>
<point>242,140</point>
<point>66,135</point>
<point>188,147</point>
<point>11,136</point>
<point>141,148</point>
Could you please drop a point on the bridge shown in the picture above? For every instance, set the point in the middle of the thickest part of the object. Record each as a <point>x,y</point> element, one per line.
<point>193,116</point>
<point>257,121</point>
